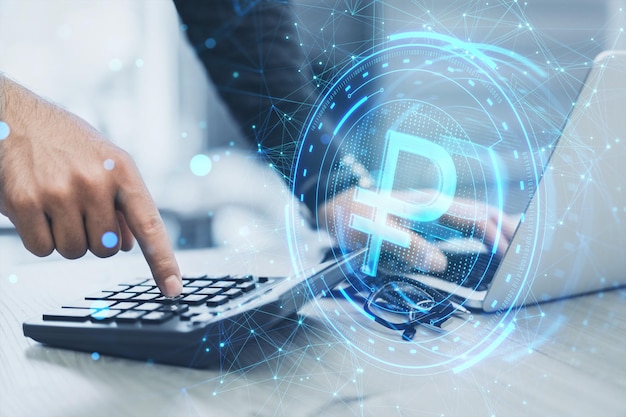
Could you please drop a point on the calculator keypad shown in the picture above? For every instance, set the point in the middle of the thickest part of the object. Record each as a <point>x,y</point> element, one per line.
<point>142,302</point>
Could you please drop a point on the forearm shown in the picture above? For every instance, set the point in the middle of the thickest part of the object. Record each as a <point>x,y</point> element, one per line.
<point>26,113</point>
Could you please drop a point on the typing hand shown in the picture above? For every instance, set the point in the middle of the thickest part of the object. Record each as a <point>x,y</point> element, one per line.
<point>463,214</point>
<point>67,188</point>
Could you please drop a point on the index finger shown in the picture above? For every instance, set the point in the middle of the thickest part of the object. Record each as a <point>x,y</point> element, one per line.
<point>144,221</point>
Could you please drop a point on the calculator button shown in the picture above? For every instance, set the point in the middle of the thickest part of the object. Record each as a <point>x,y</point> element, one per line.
<point>155,317</point>
<point>121,296</point>
<point>248,286</point>
<point>105,315</point>
<point>189,290</point>
<point>186,316</point>
<point>68,314</point>
<point>194,299</point>
<point>223,284</point>
<point>143,297</point>
<point>123,305</point>
<point>148,306</point>
<point>168,300</point>
<point>201,283</point>
<point>240,280</point>
<point>138,289</point>
<point>218,300</point>
<point>175,309</point>
<point>129,316</point>
<point>143,287</point>
<point>209,291</point>
<point>233,293</point>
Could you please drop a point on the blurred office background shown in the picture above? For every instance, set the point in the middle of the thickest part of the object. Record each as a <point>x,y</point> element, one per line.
<point>125,66</point>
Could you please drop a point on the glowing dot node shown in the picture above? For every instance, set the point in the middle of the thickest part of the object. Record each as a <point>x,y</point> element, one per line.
<point>109,240</point>
<point>5,130</point>
<point>109,164</point>
<point>210,43</point>
<point>115,65</point>
<point>200,165</point>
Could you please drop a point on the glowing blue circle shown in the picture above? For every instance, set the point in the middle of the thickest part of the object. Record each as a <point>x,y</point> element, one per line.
<point>109,164</point>
<point>95,356</point>
<point>5,130</point>
<point>115,65</point>
<point>200,165</point>
<point>109,240</point>
<point>407,87</point>
<point>210,43</point>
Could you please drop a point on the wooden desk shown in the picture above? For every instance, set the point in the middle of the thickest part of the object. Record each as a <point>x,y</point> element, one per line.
<point>564,358</point>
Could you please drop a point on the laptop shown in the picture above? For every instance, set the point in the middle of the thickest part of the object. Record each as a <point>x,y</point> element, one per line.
<point>571,238</point>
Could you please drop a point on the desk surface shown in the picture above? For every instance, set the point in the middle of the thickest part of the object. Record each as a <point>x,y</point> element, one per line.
<point>563,358</point>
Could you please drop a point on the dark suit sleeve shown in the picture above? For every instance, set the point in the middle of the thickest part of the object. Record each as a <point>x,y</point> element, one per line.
<point>251,53</point>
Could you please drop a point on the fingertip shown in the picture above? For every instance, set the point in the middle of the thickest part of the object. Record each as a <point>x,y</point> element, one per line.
<point>40,252</point>
<point>171,286</point>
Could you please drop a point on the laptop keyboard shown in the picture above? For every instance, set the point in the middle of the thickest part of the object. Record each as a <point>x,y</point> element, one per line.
<point>141,301</point>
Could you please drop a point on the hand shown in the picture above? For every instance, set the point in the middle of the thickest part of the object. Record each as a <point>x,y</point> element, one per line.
<point>463,214</point>
<point>65,187</point>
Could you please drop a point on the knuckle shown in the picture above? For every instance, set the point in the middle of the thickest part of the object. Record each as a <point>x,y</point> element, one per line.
<point>151,225</point>
<point>124,162</point>
<point>57,194</point>
<point>90,180</point>
<point>21,202</point>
